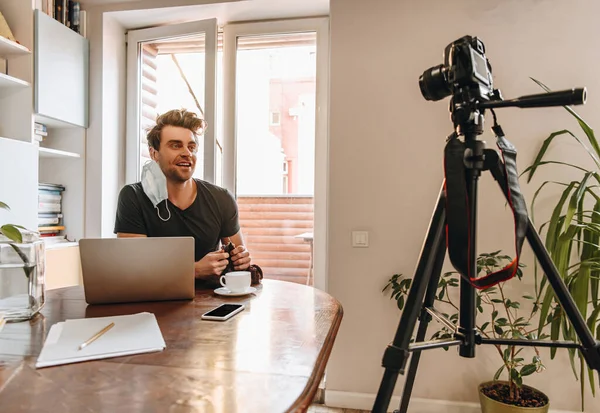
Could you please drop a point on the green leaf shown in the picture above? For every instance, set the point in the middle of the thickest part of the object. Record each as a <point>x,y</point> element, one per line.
<point>528,297</point>
<point>401,303</point>
<point>555,226</point>
<point>4,206</point>
<point>593,318</point>
<point>595,274</point>
<point>581,289</point>
<point>498,373</point>
<point>572,360</point>
<point>528,369</point>
<point>554,332</point>
<point>576,198</point>
<point>12,233</point>
<point>545,308</point>
<point>514,374</point>
<point>506,354</point>
<point>519,381</point>
<point>498,330</point>
<point>485,325</point>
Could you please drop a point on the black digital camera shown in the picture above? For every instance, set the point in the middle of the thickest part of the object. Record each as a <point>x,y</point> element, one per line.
<point>466,71</point>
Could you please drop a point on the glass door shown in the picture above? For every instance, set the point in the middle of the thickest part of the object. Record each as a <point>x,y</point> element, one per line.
<point>275,136</point>
<point>171,67</point>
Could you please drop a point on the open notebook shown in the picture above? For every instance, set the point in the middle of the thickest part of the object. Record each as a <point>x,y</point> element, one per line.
<point>131,334</point>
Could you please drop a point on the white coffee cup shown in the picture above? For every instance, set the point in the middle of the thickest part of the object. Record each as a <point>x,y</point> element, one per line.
<point>236,281</point>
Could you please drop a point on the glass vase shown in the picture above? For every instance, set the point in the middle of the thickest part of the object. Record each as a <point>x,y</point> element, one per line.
<point>22,282</point>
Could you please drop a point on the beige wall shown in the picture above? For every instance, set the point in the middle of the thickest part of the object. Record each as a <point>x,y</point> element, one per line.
<point>386,146</point>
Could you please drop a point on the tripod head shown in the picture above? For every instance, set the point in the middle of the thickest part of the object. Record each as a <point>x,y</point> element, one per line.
<point>466,75</point>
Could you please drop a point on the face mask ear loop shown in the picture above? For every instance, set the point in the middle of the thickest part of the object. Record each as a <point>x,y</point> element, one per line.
<point>158,212</point>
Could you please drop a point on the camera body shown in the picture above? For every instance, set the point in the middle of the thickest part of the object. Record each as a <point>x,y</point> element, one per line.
<point>466,72</point>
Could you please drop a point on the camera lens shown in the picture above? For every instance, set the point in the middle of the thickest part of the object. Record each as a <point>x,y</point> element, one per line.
<point>433,83</point>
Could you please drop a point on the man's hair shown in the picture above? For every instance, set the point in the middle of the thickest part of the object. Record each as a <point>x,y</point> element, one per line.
<point>176,117</point>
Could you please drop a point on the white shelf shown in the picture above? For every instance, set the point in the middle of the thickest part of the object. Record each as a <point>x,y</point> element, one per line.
<point>55,153</point>
<point>59,245</point>
<point>52,123</point>
<point>10,48</point>
<point>9,82</point>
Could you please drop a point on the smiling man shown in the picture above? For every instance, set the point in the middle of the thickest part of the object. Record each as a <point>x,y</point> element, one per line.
<point>169,202</point>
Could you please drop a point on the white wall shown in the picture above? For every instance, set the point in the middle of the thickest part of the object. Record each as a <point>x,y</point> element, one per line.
<point>113,119</point>
<point>105,165</point>
<point>386,146</point>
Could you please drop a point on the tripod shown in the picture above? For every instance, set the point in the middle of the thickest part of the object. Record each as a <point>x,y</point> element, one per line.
<point>422,293</point>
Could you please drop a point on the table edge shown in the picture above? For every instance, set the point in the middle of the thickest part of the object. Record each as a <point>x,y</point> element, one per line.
<point>307,396</point>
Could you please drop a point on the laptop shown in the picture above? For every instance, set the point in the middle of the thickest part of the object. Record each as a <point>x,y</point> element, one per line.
<point>125,270</point>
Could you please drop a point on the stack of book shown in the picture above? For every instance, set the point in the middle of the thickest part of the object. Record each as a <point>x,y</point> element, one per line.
<point>39,132</point>
<point>50,217</point>
<point>67,12</point>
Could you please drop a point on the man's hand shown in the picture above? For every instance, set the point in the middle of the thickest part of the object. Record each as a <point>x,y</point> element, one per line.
<point>241,258</point>
<point>212,264</point>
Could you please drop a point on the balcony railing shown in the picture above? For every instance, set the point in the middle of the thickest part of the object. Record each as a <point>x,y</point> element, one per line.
<point>270,225</point>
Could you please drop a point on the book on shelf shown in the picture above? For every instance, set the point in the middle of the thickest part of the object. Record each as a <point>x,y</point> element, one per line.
<point>50,217</point>
<point>39,132</point>
<point>53,228</point>
<point>46,219</point>
<point>44,207</point>
<point>49,197</point>
<point>67,12</point>
<point>51,187</point>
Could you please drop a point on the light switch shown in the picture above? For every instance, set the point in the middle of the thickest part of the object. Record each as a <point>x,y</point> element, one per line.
<point>360,239</point>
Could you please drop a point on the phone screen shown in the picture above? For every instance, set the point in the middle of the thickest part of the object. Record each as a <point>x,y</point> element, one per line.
<point>223,310</point>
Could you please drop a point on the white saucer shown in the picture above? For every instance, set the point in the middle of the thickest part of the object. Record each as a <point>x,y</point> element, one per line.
<point>224,291</point>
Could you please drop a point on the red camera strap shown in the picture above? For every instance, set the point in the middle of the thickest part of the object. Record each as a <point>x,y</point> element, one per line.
<point>457,218</point>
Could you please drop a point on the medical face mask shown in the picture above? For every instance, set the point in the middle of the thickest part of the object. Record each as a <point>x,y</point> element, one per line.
<point>154,184</point>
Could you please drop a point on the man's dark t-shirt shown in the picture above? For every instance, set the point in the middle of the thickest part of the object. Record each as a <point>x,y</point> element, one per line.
<point>213,215</point>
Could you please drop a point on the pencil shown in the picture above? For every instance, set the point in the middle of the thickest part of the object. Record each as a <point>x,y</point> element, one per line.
<point>96,336</point>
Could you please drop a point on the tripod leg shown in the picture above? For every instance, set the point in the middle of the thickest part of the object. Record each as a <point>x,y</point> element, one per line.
<point>423,323</point>
<point>591,348</point>
<point>396,354</point>
<point>562,292</point>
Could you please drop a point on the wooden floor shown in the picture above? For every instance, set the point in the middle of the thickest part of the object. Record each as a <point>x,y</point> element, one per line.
<point>319,408</point>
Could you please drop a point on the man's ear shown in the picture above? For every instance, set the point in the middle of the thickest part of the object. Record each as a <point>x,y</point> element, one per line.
<point>153,154</point>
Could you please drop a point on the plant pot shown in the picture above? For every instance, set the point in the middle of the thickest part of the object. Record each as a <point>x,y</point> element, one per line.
<point>489,405</point>
<point>22,282</point>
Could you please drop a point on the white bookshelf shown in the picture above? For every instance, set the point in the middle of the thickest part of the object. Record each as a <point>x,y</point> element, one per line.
<point>43,79</point>
<point>53,123</point>
<point>56,153</point>
<point>8,48</point>
<point>10,82</point>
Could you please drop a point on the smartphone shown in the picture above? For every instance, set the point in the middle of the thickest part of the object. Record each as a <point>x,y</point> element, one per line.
<point>223,312</point>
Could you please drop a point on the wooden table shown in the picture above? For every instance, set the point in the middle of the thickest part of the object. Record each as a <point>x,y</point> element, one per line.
<point>268,358</point>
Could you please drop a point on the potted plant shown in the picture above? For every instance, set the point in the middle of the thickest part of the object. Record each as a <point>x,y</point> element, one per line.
<point>22,268</point>
<point>502,317</point>
<point>572,238</point>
